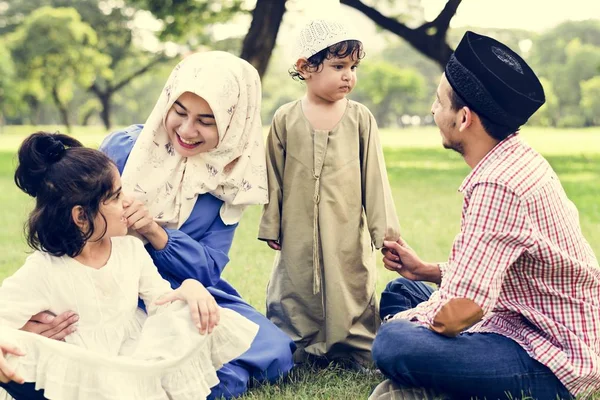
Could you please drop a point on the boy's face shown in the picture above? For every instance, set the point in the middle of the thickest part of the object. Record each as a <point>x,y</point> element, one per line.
<point>334,79</point>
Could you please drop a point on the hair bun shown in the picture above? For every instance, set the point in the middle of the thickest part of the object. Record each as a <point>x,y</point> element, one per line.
<point>55,150</point>
<point>37,154</point>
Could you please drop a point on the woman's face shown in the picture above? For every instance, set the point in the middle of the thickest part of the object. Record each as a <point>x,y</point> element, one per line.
<point>191,125</point>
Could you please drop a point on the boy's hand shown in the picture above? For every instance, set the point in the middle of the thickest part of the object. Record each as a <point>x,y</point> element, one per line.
<point>274,245</point>
<point>203,307</point>
<point>8,374</point>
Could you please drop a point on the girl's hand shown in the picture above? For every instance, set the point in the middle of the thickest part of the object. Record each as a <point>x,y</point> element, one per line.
<point>8,374</point>
<point>274,245</point>
<point>203,307</point>
<point>137,215</point>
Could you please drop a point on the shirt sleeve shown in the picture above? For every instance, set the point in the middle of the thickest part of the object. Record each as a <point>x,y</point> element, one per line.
<point>25,293</point>
<point>270,224</point>
<point>202,259</point>
<point>495,232</point>
<point>378,203</point>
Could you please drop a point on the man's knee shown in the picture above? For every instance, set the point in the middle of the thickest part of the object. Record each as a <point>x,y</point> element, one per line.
<point>395,343</point>
<point>398,345</point>
<point>397,285</point>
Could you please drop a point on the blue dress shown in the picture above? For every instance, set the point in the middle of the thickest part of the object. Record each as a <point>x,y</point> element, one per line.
<point>198,250</point>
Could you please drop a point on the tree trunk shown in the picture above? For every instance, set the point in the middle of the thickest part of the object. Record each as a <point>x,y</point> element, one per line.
<point>62,109</point>
<point>105,95</point>
<point>105,112</point>
<point>260,39</point>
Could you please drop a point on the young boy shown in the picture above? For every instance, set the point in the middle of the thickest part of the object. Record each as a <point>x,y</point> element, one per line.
<point>330,205</point>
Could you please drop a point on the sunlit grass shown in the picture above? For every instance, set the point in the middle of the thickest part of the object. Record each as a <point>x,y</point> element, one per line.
<point>424,180</point>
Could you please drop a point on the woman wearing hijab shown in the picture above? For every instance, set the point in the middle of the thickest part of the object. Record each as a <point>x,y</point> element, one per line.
<point>192,168</point>
<point>195,165</point>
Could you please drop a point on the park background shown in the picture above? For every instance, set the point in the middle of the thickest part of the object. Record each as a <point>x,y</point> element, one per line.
<point>91,66</point>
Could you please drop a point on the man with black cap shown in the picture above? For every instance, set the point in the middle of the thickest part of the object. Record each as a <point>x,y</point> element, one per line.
<point>517,312</point>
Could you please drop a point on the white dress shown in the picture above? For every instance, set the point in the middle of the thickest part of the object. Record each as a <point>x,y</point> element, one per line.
<point>119,353</point>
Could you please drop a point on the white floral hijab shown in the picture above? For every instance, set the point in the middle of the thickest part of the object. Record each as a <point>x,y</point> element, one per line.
<point>234,171</point>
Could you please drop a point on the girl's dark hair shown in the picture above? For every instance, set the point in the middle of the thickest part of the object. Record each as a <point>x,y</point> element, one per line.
<point>353,48</point>
<point>498,132</point>
<point>60,174</point>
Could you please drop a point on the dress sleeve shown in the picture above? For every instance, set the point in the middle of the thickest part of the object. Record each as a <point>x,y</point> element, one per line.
<point>25,293</point>
<point>270,224</point>
<point>202,257</point>
<point>378,203</point>
<point>151,285</point>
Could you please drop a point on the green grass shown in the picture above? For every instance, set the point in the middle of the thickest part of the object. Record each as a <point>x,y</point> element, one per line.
<point>424,179</point>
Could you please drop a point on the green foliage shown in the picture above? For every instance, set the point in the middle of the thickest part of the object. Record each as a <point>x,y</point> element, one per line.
<point>590,99</point>
<point>549,113</point>
<point>9,100</point>
<point>566,56</point>
<point>54,51</point>
<point>424,179</point>
<point>389,91</point>
<point>188,20</point>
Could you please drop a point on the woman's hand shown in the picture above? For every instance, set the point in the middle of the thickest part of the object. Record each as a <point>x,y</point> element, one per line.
<point>8,374</point>
<point>52,326</point>
<point>203,307</point>
<point>138,216</point>
<point>139,219</point>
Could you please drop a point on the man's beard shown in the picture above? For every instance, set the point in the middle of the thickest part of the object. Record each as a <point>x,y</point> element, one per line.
<point>452,145</point>
<point>457,147</point>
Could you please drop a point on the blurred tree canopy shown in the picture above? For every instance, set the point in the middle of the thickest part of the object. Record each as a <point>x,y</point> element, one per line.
<point>105,61</point>
<point>54,50</point>
<point>111,23</point>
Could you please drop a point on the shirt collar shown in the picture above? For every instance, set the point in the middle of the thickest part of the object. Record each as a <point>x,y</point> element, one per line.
<point>492,155</point>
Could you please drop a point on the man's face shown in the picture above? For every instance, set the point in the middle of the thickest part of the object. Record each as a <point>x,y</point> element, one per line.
<point>446,118</point>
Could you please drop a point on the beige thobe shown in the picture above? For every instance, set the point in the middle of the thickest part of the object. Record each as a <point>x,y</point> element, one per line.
<point>329,205</point>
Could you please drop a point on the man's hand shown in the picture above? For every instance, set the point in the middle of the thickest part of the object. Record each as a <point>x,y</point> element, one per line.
<point>8,374</point>
<point>401,258</point>
<point>54,327</point>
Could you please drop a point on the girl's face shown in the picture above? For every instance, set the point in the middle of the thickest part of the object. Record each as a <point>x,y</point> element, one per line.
<point>191,126</point>
<point>111,214</point>
<point>333,80</point>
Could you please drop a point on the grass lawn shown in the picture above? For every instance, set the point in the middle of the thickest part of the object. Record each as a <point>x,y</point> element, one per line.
<point>424,179</point>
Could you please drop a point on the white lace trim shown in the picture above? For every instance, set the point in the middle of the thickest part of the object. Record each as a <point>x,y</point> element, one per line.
<point>68,372</point>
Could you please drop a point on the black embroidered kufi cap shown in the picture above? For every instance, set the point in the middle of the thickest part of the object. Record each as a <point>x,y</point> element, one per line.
<point>494,81</point>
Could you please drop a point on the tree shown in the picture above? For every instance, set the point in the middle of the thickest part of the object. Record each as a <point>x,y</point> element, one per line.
<point>429,38</point>
<point>259,42</point>
<point>390,91</point>
<point>549,113</point>
<point>54,51</point>
<point>115,38</point>
<point>7,85</point>
<point>590,100</point>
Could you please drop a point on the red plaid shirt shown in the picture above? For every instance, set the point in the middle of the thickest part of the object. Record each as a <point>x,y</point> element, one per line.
<point>520,255</point>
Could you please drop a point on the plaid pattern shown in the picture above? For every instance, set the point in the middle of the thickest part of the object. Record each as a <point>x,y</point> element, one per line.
<point>521,256</point>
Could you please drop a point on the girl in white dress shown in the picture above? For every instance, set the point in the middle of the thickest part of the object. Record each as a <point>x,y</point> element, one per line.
<point>84,261</point>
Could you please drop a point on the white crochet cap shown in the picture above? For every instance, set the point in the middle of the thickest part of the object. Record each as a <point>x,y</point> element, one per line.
<point>319,34</point>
